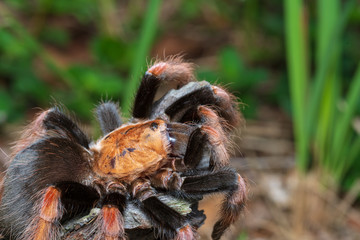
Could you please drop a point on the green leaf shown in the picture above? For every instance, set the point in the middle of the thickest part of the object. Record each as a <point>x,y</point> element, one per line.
<point>231,64</point>
<point>96,82</point>
<point>112,51</point>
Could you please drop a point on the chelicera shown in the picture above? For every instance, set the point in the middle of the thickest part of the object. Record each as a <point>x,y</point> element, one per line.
<point>173,149</point>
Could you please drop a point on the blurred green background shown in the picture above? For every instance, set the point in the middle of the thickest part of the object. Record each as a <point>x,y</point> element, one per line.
<point>297,57</point>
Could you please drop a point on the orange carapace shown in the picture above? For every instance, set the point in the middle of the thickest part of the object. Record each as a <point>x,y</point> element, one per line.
<point>131,151</point>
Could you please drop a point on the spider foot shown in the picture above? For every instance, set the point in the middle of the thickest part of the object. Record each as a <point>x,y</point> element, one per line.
<point>232,206</point>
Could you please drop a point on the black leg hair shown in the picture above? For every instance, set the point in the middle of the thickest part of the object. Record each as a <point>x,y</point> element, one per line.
<point>59,122</point>
<point>165,219</point>
<point>42,162</point>
<point>225,180</point>
<point>51,123</point>
<point>196,183</point>
<point>206,146</point>
<point>173,69</point>
<point>206,182</point>
<point>197,154</point>
<point>176,104</point>
<point>167,222</point>
<point>108,116</point>
<point>145,95</point>
<point>231,208</point>
<point>77,199</point>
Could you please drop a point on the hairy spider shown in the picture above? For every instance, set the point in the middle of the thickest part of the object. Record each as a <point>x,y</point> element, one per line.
<point>173,149</point>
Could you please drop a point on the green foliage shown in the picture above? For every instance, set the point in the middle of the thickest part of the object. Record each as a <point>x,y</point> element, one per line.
<point>79,87</point>
<point>112,52</point>
<point>322,113</point>
<point>243,236</point>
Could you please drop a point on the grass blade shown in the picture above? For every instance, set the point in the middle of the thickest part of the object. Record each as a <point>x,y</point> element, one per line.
<point>298,75</point>
<point>316,90</point>
<point>343,127</point>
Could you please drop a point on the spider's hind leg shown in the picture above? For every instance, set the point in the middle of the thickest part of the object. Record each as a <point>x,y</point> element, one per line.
<point>222,180</point>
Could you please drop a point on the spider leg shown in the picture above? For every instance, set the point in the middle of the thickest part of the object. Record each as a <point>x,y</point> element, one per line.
<point>178,105</point>
<point>213,129</point>
<point>52,120</point>
<point>49,212</point>
<point>233,184</point>
<point>169,223</point>
<point>172,70</point>
<point>224,180</point>
<point>194,184</point>
<point>206,146</point>
<point>52,153</point>
<point>108,116</point>
<point>110,221</point>
<point>206,158</point>
<point>231,208</point>
<point>56,204</point>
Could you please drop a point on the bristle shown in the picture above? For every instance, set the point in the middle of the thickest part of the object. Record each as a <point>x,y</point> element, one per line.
<point>34,131</point>
<point>186,233</point>
<point>228,105</point>
<point>49,211</point>
<point>231,208</point>
<point>173,69</point>
<point>218,147</point>
<point>108,116</point>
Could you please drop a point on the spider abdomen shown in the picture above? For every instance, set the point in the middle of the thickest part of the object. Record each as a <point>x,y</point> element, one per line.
<point>132,151</point>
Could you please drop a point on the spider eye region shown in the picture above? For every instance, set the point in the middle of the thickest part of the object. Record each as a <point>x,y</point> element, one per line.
<point>133,151</point>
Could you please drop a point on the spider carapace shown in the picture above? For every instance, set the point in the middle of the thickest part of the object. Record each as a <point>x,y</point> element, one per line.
<point>141,180</point>
<point>133,151</point>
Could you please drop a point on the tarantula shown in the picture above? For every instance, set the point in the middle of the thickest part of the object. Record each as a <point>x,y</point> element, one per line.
<point>174,148</point>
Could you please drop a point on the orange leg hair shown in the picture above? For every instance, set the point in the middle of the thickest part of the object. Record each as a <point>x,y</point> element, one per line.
<point>111,222</point>
<point>231,208</point>
<point>216,135</point>
<point>50,211</point>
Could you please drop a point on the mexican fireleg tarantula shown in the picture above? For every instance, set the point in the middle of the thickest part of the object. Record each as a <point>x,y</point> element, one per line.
<point>174,148</point>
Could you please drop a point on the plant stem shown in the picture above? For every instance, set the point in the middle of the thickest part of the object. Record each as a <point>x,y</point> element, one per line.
<point>298,74</point>
<point>146,38</point>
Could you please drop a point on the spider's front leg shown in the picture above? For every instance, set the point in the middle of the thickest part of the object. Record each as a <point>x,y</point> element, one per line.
<point>172,70</point>
<point>206,166</point>
<point>202,145</point>
<point>188,95</point>
<point>194,184</point>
